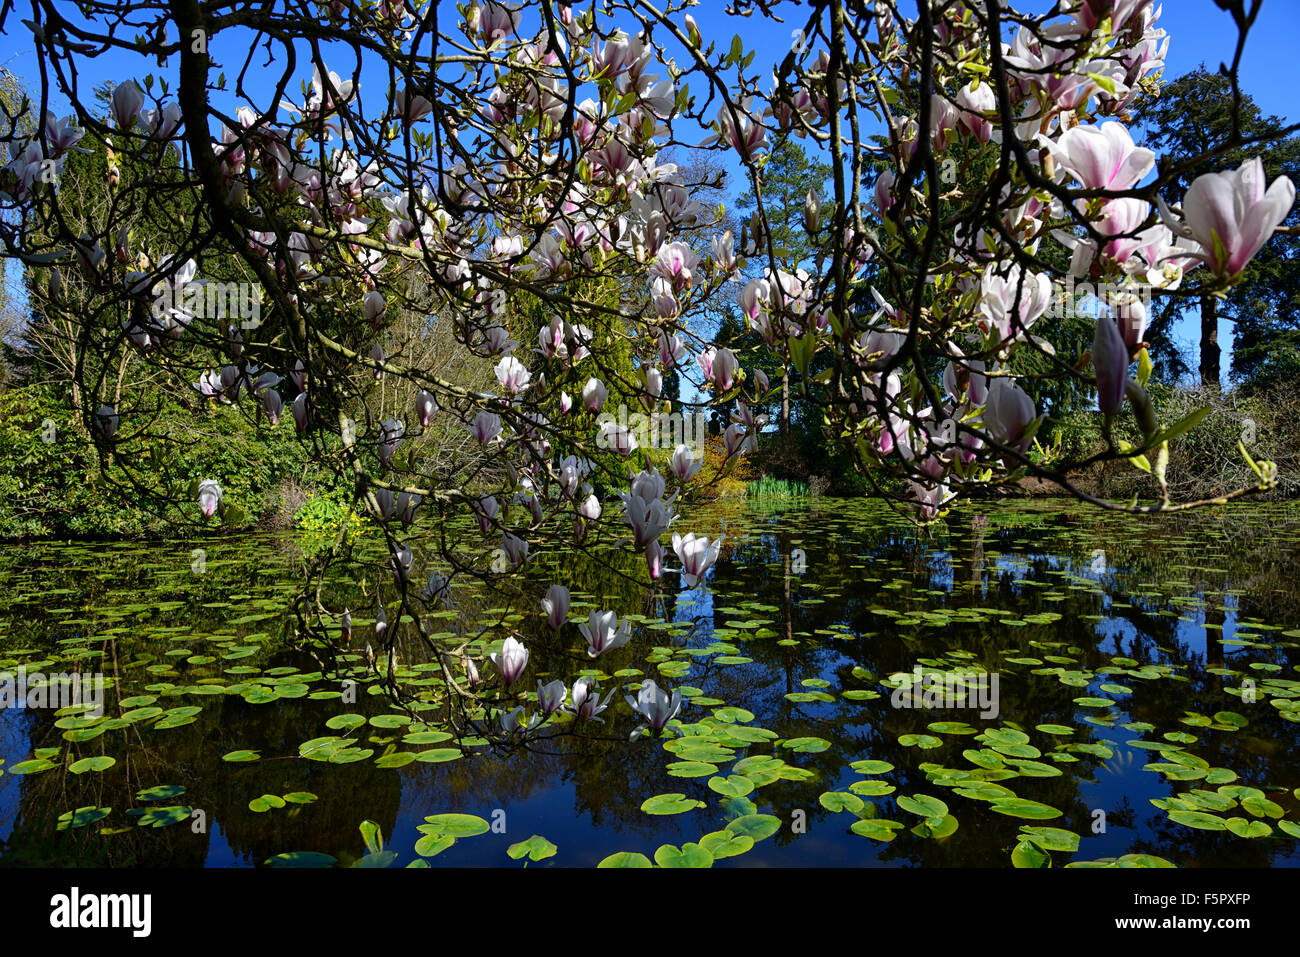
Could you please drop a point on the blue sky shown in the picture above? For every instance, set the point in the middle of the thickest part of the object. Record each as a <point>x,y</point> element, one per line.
<point>1199,33</point>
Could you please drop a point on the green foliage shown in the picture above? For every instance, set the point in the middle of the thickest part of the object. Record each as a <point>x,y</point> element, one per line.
<point>321,518</point>
<point>57,487</point>
<point>768,487</point>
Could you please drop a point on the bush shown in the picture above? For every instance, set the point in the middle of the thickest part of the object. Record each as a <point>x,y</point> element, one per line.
<point>57,488</point>
<point>1204,462</point>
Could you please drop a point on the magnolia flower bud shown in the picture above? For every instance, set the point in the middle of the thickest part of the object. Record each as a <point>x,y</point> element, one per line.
<point>1110,362</point>
<point>425,406</point>
<point>812,209</point>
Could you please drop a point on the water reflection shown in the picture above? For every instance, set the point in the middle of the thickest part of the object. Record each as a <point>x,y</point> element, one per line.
<point>808,611</point>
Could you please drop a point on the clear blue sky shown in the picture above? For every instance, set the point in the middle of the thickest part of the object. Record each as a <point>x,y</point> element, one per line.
<point>1199,33</point>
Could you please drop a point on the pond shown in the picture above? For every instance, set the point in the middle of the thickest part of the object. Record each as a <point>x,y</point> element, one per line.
<point>1024,684</point>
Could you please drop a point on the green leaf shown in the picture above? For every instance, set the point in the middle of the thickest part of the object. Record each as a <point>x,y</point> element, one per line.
<point>100,762</point>
<point>722,844</point>
<point>456,825</point>
<point>688,855</point>
<point>371,835</point>
<point>1020,807</point>
<point>757,827</point>
<point>1027,855</point>
<point>922,805</point>
<point>622,859</point>
<point>1184,424</point>
<point>537,848</point>
<point>876,829</point>
<point>161,792</point>
<point>82,816</point>
<point>674,803</point>
<point>431,845</point>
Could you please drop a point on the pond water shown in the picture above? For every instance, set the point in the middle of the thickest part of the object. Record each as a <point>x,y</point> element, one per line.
<point>1133,682</point>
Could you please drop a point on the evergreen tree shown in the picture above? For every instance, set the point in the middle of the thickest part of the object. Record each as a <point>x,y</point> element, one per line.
<point>1190,116</point>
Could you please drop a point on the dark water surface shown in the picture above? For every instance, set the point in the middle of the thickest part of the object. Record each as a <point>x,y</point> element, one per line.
<point>1135,659</point>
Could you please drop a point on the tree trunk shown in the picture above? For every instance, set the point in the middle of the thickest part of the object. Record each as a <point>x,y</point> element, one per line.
<point>1210,350</point>
<point>785,401</point>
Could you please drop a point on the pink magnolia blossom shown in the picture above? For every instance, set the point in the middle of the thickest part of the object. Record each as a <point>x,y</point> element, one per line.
<point>1231,215</point>
<point>1101,157</point>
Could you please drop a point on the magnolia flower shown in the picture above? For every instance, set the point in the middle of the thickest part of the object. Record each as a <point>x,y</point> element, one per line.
<point>719,367</point>
<point>390,436</point>
<point>1131,314</point>
<point>654,560</point>
<point>1101,157</point>
<point>1008,412</point>
<point>648,520</point>
<point>407,503</point>
<point>556,605</point>
<point>974,101</point>
<point>471,672</point>
<point>515,548</point>
<point>590,508</point>
<point>883,192</point>
<point>683,464</point>
<point>617,437</point>
<point>437,589</point>
<point>402,559</point>
<point>512,374</point>
<point>675,263</point>
<point>272,403</point>
<point>385,502</point>
<point>62,135</point>
<point>425,406</point>
<point>128,98</point>
<point>496,340</point>
<point>586,699</point>
<point>930,498</point>
<point>209,497</point>
<point>551,696</point>
<point>696,554</point>
<point>655,707</point>
<point>497,21</point>
<point>517,723</point>
<point>1231,215</point>
<point>511,660</point>
<point>654,381</point>
<point>107,421</point>
<point>487,511</point>
<point>671,350</point>
<point>1013,302</point>
<point>734,439</point>
<point>299,410</point>
<point>566,403</point>
<point>604,633</point>
<point>594,395</point>
<point>485,427</point>
<point>966,379</point>
<point>373,306</point>
<point>1110,362</point>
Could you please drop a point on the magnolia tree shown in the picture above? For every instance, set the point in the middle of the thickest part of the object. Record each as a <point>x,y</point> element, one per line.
<point>369,160</point>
